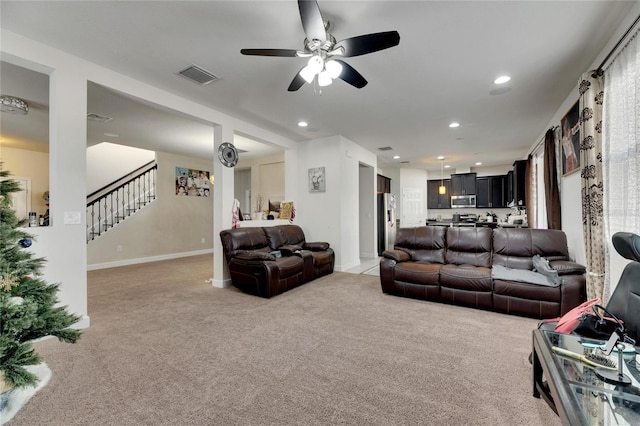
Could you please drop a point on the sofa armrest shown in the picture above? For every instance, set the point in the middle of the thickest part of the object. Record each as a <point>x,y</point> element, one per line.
<point>290,249</point>
<point>565,267</point>
<point>316,246</point>
<point>573,291</point>
<point>397,255</point>
<point>254,255</point>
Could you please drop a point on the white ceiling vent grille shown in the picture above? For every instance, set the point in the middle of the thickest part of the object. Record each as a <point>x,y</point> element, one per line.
<point>198,75</point>
<point>385,148</point>
<point>97,117</point>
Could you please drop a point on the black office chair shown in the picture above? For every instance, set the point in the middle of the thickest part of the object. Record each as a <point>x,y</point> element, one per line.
<point>624,303</point>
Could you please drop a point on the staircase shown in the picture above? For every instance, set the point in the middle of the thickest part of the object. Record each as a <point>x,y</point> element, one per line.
<point>115,202</point>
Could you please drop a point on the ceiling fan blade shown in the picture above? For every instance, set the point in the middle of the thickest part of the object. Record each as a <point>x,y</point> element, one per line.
<point>290,53</point>
<point>369,43</point>
<point>351,76</point>
<point>312,21</point>
<point>296,83</point>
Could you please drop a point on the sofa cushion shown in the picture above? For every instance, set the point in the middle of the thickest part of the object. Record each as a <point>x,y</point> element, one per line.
<point>466,277</point>
<point>422,243</point>
<point>469,246</point>
<point>321,258</point>
<point>284,235</point>
<point>417,273</point>
<point>240,240</point>
<point>289,266</point>
<point>515,247</point>
<point>526,291</point>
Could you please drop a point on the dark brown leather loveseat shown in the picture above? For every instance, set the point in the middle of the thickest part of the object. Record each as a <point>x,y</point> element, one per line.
<point>266,261</point>
<point>459,265</point>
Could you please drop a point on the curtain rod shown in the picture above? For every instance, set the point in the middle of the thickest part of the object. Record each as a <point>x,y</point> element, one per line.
<point>599,72</point>
<point>541,141</point>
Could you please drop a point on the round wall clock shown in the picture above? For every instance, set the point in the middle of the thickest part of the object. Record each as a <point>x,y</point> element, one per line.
<point>228,154</point>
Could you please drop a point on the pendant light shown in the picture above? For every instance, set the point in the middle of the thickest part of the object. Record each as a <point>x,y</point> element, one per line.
<point>442,190</point>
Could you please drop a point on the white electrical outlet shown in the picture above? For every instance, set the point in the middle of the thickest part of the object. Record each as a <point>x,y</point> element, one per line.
<point>202,241</point>
<point>118,248</point>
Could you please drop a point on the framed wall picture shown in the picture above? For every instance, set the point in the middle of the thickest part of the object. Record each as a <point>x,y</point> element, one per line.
<point>286,209</point>
<point>570,139</point>
<point>192,182</point>
<point>317,179</point>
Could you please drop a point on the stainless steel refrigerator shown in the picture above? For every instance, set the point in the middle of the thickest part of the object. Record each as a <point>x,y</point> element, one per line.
<point>386,222</point>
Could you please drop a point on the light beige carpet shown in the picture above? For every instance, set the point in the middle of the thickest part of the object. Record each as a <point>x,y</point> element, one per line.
<point>165,348</point>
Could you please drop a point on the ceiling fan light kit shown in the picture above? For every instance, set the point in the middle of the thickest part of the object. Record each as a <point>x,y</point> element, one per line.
<point>320,46</point>
<point>13,105</point>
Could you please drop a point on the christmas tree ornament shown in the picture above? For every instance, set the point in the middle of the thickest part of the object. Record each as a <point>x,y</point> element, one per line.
<point>25,242</point>
<point>7,281</point>
<point>15,301</point>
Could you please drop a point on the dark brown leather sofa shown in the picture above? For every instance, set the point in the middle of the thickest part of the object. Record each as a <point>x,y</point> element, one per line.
<point>266,261</point>
<point>454,265</point>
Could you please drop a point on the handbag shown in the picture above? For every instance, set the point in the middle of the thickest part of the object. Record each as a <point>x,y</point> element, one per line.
<point>568,322</point>
<point>586,320</point>
<point>597,326</point>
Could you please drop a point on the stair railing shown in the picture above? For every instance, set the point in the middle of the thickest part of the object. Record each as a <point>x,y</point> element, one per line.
<point>118,200</point>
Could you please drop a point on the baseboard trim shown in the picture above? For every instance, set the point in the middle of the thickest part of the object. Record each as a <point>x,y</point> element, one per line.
<point>136,261</point>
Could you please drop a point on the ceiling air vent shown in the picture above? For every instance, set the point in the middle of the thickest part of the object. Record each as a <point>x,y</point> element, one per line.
<point>198,75</point>
<point>97,117</point>
<point>405,162</point>
<point>385,148</point>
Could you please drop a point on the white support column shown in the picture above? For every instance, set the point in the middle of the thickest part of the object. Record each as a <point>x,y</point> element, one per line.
<point>222,205</point>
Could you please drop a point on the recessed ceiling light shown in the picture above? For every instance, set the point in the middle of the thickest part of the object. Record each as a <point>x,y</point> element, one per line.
<point>478,164</point>
<point>303,124</point>
<point>446,166</point>
<point>454,124</point>
<point>502,79</point>
<point>441,157</point>
<point>395,157</point>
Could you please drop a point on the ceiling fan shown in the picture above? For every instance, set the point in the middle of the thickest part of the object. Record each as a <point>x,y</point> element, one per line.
<point>323,51</point>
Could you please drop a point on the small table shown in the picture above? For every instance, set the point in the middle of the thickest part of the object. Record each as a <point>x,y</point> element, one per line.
<point>572,389</point>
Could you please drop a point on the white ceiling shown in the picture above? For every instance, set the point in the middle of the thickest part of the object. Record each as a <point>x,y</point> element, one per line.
<point>449,54</point>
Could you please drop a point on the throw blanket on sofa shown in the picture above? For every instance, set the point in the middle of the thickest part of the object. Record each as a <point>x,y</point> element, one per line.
<point>500,272</point>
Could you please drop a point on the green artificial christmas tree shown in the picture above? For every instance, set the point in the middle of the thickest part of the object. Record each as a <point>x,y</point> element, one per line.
<point>28,305</point>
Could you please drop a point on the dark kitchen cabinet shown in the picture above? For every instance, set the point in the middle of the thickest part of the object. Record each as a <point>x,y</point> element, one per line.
<point>463,184</point>
<point>491,191</point>
<point>384,184</point>
<point>436,200</point>
<point>519,193</point>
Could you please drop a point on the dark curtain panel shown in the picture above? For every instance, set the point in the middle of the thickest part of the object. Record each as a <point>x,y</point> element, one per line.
<point>551,191</point>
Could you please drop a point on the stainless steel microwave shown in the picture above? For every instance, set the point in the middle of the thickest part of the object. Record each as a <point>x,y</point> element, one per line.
<point>458,201</point>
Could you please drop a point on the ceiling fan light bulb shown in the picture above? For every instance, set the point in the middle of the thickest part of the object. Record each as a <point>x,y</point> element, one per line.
<point>307,74</point>
<point>334,68</point>
<point>316,64</point>
<point>324,79</point>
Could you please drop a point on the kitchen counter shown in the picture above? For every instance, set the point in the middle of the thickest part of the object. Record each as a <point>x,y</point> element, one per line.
<point>476,223</point>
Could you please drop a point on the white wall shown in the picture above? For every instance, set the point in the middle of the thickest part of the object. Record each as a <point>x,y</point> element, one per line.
<point>332,216</point>
<point>169,227</point>
<point>121,159</point>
